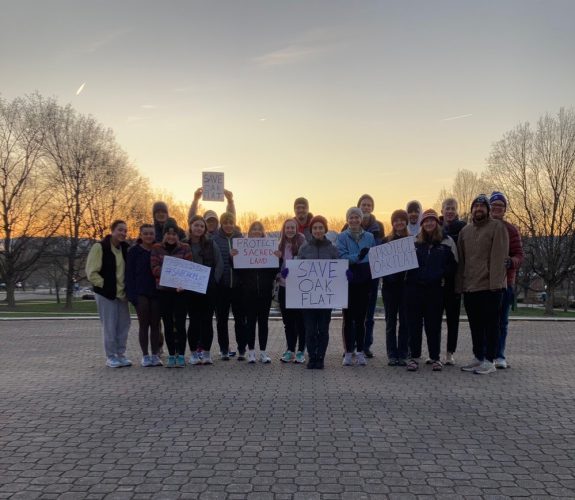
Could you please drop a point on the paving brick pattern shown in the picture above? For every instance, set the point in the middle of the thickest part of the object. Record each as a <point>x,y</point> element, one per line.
<point>71,428</point>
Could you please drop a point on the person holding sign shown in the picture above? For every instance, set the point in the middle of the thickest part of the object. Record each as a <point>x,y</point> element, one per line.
<point>317,321</point>
<point>257,290</point>
<point>201,306</point>
<point>436,257</point>
<point>105,268</point>
<point>210,215</point>
<point>288,248</point>
<point>229,292</point>
<point>173,301</point>
<point>393,293</point>
<point>353,244</point>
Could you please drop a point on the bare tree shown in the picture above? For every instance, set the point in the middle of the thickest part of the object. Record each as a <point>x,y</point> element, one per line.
<point>466,186</point>
<point>536,170</point>
<point>27,219</point>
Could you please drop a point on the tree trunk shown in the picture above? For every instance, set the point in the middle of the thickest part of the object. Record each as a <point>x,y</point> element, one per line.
<point>70,275</point>
<point>10,295</point>
<point>549,301</point>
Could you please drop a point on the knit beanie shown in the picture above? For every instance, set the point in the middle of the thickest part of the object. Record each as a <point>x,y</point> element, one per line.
<point>482,198</point>
<point>170,224</point>
<point>159,206</point>
<point>399,214</point>
<point>413,206</point>
<point>320,219</point>
<point>429,213</point>
<point>353,210</point>
<point>498,196</point>
<point>366,197</point>
<point>301,201</point>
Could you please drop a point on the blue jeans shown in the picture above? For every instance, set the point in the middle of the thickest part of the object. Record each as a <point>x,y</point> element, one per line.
<point>371,303</point>
<point>506,303</point>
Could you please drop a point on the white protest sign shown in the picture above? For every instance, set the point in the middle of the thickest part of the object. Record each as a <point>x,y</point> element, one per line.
<point>213,186</point>
<point>180,273</point>
<point>255,252</point>
<point>393,257</point>
<point>316,284</point>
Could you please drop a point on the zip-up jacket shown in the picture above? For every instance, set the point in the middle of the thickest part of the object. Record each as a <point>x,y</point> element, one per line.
<point>159,251</point>
<point>230,277</point>
<point>436,264</point>
<point>349,249</point>
<point>139,277</point>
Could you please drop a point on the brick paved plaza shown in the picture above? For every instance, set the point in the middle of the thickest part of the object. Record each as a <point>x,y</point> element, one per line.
<point>71,428</point>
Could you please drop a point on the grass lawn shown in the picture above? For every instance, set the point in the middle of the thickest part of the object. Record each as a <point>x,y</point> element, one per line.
<point>33,308</point>
<point>539,312</point>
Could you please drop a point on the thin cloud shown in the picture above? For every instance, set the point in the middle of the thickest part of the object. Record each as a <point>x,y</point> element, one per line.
<point>81,88</point>
<point>106,39</point>
<point>456,117</point>
<point>149,106</point>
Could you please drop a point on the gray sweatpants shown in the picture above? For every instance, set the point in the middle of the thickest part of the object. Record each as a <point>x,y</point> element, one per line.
<point>115,319</point>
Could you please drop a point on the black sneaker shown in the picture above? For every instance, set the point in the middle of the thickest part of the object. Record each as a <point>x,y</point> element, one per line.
<point>368,353</point>
<point>241,356</point>
<point>224,356</point>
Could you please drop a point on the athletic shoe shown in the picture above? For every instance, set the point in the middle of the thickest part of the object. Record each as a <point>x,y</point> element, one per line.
<point>251,356</point>
<point>231,354</point>
<point>347,359</point>
<point>485,368</point>
<point>437,366</point>
<point>180,361</point>
<point>428,361</point>
<point>264,358</point>
<point>224,356</point>
<point>360,359</point>
<point>287,357</point>
<point>311,364</point>
<point>241,356</point>
<point>207,358</point>
<point>146,361</point>
<point>412,365</point>
<point>500,363</point>
<point>113,362</point>
<point>124,361</point>
<point>171,362</point>
<point>449,359</point>
<point>156,361</point>
<point>472,365</point>
<point>299,357</point>
<point>393,362</point>
<point>368,353</point>
<point>196,358</point>
<point>402,362</point>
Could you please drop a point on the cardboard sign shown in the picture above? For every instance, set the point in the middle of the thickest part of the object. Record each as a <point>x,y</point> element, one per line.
<point>180,273</point>
<point>255,252</point>
<point>393,257</point>
<point>213,186</point>
<point>316,284</point>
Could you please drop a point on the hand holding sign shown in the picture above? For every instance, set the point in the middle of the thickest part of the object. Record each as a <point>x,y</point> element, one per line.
<point>213,186</point>
<point>184,275</point>
<point>255,252</point>
<point>393,257</point>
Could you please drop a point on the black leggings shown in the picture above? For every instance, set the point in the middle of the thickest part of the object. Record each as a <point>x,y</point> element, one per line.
<point>293,324</point>
<point>173,306</point>
<point>200,328</point>
<point>354,316</point>
<point>148,311</point>
<point>257,312</point>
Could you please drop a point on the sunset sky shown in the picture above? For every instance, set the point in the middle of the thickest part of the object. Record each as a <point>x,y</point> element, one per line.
<point>324,99</point>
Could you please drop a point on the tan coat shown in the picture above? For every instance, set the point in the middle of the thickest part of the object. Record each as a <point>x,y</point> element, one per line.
<point>483,248</point>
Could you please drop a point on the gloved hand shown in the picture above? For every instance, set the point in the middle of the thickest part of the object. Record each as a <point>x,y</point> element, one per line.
<point>349,274</point>
<point>362,253</point>
<point>508,263</point>
<point>284,272</point>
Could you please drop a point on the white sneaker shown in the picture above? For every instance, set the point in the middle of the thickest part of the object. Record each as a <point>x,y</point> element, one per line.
<point>360,359</point>
<point>472,365</point>
<point>500,363</point>
<point>485,368</point>
<point>146,361</point>
<point>347,359</point>
<point>207,358</point>
<point>195,358</point>
<point>251,356</point>
<point>264,358</point>
<point>449,359</point>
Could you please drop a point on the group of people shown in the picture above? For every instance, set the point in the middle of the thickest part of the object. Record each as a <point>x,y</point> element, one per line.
<point>476,260</point>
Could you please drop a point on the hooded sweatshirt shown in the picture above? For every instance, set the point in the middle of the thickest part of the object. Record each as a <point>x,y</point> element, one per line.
<point>413,229</point>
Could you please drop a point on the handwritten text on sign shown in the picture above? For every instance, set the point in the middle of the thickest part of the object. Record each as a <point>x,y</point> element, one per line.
<point>316,284</point>
<point>255,252</point>
<point>213,186</point>
<point>180,273</point>
<point>393,257</point>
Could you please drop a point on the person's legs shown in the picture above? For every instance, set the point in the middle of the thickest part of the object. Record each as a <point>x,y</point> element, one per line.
<point>288,320</point>
<point>506,303</point>
<point>251,311</point>
<point>310,323</point>
<point>195,311</point>
<point>264,304</point>
<point>143,311</point>
<point>452,312</point>
<point>108,312</point>
<point>359,314</point>
<point>473,306</point>
<point>300,330</point>
<point>223,302</point>
<point>180,313</point>
<point>403,330</point>
<point>323,321</point>
<point>414,323</point>
<point>239,313</point>
<point>433,315</point>
<point>154,310</point>
<point>369,321</point>
<point>391,305</point>
<point>122,325</point>
<point>492,314</point>
<point>207,329</point>
<point>167,305</point>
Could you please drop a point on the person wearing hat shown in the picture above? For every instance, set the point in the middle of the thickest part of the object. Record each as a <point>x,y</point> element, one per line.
<point>393,293</point>
<point>105,269</point>
<point>498,204</point>
<point>452,225</point>
<point>483,247</point>
<point>436,257</point>
<point>317,321</point>
<point>210,216</point>
<point>413,209</point>
<point>173,301</point>
<point>353,244</point>
<point>160,215</point>
<point>303,217</point>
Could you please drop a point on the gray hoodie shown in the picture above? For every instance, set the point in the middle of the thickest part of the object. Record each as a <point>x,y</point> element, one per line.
<point>413,229</point>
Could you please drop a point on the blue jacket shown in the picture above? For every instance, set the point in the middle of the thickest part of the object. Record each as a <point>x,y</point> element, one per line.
<point>436,264</point>
<point>139,277</point>
<point>230,277</point>
<point>349,249</point>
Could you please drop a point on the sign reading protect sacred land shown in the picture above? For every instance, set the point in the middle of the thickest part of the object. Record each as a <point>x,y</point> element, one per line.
<point>316,284</point>
<point>255,252</point>
<point>180,273</point>
<point>213,186</point>
<point>393,257</point>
